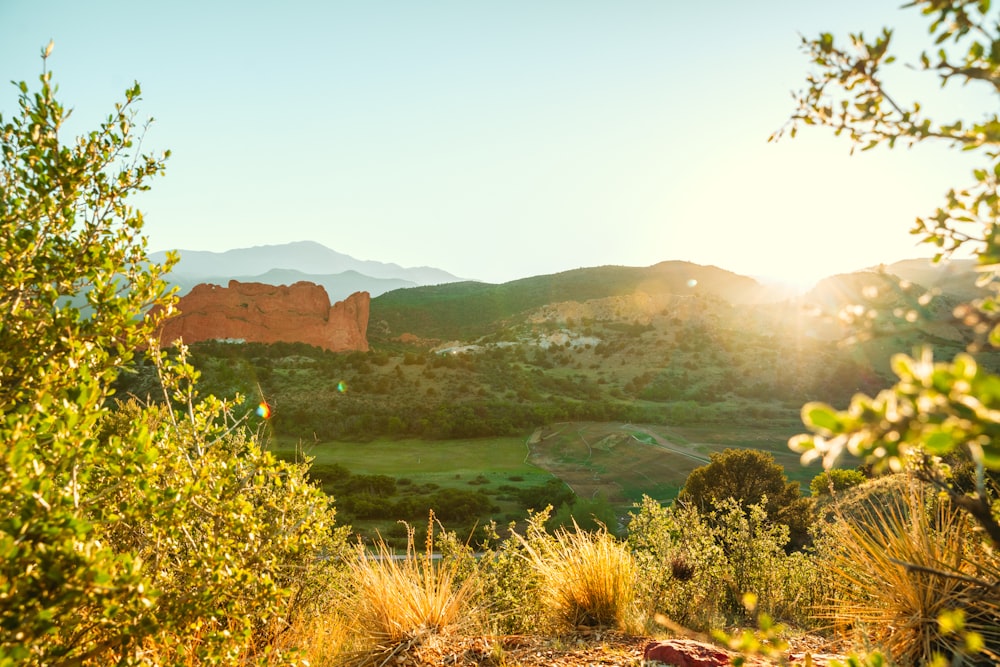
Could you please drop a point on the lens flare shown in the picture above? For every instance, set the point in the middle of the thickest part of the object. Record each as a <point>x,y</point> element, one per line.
<point>264,410</point>
<point>342,386</point>
<point>692,283</point>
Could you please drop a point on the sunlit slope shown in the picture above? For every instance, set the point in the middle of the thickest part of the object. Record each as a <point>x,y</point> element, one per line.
<point>470,309</point>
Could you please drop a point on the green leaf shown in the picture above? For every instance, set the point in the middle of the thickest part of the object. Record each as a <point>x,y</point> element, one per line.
<point>822,417</point>
<point>939,442</point>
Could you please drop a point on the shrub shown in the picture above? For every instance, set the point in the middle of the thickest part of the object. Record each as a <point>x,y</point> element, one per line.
<point>74,283</point>
<point>672,541</point>
<point>146,535</point>
<point>749,476</point>
<point>586,514</point>
<point>838,478</point>
<point>897,572</point>
<point>695,568</point>
<point>509,584</point>
<point>235,544</point>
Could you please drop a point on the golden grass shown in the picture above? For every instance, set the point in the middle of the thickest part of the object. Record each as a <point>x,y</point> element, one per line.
<point>895,570</point>
<point>397,603</point>
<point>317,641</point>
<point>587,580</point>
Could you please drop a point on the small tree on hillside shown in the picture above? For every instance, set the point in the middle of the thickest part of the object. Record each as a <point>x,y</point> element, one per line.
<point>750,477</point>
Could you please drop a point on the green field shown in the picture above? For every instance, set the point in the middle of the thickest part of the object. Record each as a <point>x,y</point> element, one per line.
<point>493,468</point>
<point>622,462</point>
<point>422,459</point>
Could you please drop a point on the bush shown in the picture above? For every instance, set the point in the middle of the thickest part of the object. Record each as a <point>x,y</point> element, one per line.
<point>509,584</point>
<point>73,288</point>
<point>138,535</point>
<point>585,514</point>
<point>695,568</point>
<point>750,477</point>
<point>896,573</point>
<point>838,478</point>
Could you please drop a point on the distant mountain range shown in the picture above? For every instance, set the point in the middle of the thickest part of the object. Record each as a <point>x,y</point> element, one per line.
<point>284,264</point>
<point>450,301</point>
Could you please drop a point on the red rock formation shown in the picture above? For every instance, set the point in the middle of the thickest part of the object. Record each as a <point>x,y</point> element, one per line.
<point>259,313</point>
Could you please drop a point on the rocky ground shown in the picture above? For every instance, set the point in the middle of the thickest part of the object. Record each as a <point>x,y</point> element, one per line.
<point>597,650</point>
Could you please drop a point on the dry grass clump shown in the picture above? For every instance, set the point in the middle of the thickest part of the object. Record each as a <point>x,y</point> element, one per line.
<point>317,641</point>
<point>895,571</point>
<point>587,580</point>
<point>398,603</point>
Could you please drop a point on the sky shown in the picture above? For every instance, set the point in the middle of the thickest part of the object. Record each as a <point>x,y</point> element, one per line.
<point>498,140</point>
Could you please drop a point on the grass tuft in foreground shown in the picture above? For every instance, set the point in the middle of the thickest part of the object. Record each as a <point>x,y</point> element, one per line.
<point>397,603</point>
<point>587,580</point>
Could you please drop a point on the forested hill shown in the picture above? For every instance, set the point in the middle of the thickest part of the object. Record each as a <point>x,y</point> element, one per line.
<point>472,309</point>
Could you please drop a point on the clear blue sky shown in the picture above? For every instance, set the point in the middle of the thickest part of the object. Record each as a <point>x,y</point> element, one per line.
<point>494,140</point>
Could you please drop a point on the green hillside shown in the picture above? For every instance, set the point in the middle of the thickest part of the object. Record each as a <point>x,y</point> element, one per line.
<point>470,309</point>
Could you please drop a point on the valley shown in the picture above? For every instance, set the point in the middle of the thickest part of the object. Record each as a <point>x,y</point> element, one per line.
<point>599,385</point>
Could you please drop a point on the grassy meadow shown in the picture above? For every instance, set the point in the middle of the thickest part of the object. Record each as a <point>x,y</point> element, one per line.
<point>619,463</point>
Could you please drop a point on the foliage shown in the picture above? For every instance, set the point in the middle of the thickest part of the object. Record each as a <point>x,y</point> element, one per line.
<point>146,535</point>
<point>73,269</point>
<point>247,543</point>
<point>906,576</point>
<point>935,408</point>
<point>836,479</point>
<point>681,564</point>
<point>67,232</point>
<point>585,514</point>
<point>749,477</point>
<point>509,585</point>
<point>697,569</point>
<point>553,493</point>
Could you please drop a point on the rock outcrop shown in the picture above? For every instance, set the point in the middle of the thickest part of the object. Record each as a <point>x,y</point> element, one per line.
<point>259,313</point>
<point>690,653</point>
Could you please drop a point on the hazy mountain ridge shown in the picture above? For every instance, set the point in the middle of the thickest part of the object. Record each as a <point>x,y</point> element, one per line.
<point>340,274</point>
<point>338,286</point>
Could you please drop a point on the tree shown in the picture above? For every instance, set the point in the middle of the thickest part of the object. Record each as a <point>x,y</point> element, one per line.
<point>750,477</point>
<point>936,408</point>
<point>836,479</point>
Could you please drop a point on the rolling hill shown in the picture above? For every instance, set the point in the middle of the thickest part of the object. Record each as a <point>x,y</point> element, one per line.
<point>470,309</point>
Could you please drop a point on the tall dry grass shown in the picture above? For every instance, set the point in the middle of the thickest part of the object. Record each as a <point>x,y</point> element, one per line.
<point>399,602</point>
<point>321,640</point>
<point>587,580</point>
<point>897,570</point>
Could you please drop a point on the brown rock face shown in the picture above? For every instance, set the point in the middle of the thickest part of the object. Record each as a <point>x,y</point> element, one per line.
<point>690,653</point>
<point>259,313</point>
<point>686,653</point>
